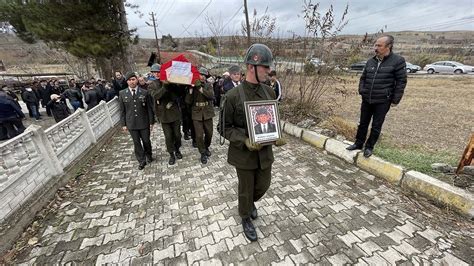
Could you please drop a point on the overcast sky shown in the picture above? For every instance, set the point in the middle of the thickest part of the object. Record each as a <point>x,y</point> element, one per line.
<point>184,18</point>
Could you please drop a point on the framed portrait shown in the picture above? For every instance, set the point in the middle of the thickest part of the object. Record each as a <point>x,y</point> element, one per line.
<point>263,121</point>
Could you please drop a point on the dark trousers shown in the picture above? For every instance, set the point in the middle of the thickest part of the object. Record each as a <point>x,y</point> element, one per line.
<point>140,136</point>
<point>203,131</point>
<point>34,110</point>
<point>3,132</point>
<point>376,112</point>
<point>172,135</point>
<point>188,127</point>
<point>252,186</point>
<point>14,127</point>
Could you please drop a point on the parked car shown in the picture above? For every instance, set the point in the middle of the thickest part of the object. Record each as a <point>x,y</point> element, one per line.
<point>359,66</point>
<point>317,62</point>
<point>448,67</point>
<point>411,68</point>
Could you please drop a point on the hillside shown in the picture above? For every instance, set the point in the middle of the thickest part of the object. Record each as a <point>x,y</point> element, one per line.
<point>20,57</point>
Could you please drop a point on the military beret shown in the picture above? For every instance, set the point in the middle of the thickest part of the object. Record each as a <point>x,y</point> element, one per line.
<point>130,74</point>
<point>234,69</point>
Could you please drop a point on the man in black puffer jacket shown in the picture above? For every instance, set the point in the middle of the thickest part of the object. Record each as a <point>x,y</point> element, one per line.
<point>381,85</point>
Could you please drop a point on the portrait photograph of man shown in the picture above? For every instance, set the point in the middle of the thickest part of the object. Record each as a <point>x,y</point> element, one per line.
<point>263,121</point>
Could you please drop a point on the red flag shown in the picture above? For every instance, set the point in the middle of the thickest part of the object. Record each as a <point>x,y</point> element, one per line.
<point>179,58</point>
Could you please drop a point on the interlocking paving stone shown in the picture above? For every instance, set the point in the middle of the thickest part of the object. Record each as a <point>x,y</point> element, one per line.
<point>319,209</point>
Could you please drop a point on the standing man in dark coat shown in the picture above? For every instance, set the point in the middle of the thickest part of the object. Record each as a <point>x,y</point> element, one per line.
<point>200,98</point>
<point>253,162</point>
<point>137,116</point>
<point>381,86</point>
<point>10,116</point>
<point>44,93</point>
<point>235,79</point>
<point>119,82</point>
<point>167,110</point>
<point>58,107</point>
<point>91,96</point>
<point>30,99</point>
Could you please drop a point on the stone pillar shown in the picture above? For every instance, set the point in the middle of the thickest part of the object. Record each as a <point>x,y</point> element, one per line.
<point>46,149</point>
<point>87,125</point>
<point>107,113</point>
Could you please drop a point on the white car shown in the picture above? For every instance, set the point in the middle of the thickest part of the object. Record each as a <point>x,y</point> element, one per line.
<point>411,68</point>
<point>448,67</point>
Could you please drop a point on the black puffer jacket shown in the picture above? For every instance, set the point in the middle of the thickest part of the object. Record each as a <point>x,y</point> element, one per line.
<point>384,82</point>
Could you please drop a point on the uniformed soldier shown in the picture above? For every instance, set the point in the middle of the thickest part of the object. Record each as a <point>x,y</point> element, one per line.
<point>167,110</point>
<point>200,99</point>
<point>253,162</point>
<point>136,115</point>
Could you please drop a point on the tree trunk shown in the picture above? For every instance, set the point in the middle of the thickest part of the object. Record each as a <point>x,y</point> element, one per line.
<point>127,56</point>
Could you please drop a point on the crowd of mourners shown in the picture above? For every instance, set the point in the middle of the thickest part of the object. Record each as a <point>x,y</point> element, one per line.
<point>61,98</point>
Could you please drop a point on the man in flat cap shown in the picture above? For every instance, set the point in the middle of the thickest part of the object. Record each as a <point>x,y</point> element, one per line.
<point>235,78</point>
<point>137,116</point>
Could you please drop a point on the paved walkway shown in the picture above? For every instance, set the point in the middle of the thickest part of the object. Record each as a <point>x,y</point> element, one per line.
<point>318,209</point>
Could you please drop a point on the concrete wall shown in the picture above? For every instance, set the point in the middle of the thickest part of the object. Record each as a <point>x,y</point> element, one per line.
<point>31,159</point>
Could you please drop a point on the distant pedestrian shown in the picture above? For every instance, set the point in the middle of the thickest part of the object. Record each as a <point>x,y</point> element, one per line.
<point>74,97</point>
<point>91,96</point>
<point>381,86</point>
<point>275,84</point>
<point>10,117</point>
<point>235,78</point>
<point>30,99</point>
<point>119,82</point>
<point>58,107</point>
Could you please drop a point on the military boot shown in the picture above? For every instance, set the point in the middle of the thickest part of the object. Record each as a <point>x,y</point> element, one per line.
<point>172,159</point>
<point>249,229</point>
<point>178,154</point>
<point>203,158</point>
<point>208,152</point>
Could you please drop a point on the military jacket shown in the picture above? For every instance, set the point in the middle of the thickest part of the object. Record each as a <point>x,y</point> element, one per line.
<point>235,126</point>
<point>201,103</point>
<point>166,99</point>
<point>136,112</point>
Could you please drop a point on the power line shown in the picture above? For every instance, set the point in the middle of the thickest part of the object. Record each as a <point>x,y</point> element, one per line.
<point>202,11</point>
<point>235,14</point>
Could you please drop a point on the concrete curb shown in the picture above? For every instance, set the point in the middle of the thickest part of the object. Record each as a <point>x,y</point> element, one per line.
<point>378,167</point>
<point>430,187</point>
<point>439,191</point>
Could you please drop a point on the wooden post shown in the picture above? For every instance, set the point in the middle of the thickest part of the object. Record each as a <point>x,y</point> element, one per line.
<point>467,156</point>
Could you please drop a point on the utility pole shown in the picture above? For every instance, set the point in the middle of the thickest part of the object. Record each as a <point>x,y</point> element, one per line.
<point>247,22</point>
<point>156,36</point>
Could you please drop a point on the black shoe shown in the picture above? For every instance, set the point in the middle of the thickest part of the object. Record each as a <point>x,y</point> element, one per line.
<point>368,152</point>
<point>208,153</point>
<point>178,154</point>
<point>203,158</point>
<point>172,159</point>
<point>141,166</point>
<point>149,159</point>
<point>249,229</point>
<point>195,145</point>
<point>353,147</point>
<point>254,213</point>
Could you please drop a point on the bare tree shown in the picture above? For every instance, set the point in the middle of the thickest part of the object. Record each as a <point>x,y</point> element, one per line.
<point>261,27</point>
<point>305,90</point>
<point>216,26</point>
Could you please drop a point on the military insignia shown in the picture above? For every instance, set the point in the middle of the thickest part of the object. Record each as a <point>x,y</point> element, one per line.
<point>255,57</point>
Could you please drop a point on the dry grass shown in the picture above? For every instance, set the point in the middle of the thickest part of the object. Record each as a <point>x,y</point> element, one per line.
<point>435,114</point>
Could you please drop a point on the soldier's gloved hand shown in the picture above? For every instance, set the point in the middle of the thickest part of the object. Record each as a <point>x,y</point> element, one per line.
<point>280,142</point>
<point>252,146</point>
